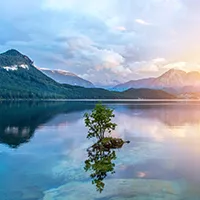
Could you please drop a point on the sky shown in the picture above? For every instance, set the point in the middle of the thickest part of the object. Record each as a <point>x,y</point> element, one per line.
<point>104,41</point>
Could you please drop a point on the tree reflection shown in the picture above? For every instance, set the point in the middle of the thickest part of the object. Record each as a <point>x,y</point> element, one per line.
<point>100,161</point>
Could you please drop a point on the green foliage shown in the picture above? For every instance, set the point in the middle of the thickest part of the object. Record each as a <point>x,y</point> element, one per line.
<point>99,122</point>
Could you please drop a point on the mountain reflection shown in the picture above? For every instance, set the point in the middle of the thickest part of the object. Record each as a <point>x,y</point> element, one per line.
<point>14,136</point>
<point>171,114</point>
<point>158,122</point>
<point>18,121</point>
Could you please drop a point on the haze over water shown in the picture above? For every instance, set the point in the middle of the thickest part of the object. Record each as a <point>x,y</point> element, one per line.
<point>43,149</point>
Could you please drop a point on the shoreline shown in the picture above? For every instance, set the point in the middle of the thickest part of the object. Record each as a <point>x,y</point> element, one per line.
<point>105,100</point>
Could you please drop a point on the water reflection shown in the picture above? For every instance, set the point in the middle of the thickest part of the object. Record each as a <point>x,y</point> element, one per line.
<point>18,121</point>
<point>176,130</point>
<point>15,136</point>
<point>171,115</point>
<point>162,162</point>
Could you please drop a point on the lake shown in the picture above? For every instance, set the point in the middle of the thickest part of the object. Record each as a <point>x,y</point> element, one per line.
<point>43,151</point>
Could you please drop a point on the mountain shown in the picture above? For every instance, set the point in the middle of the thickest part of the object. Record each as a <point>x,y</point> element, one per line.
<point>20,79</point>
<point>62,76</point>
<point>172,78</point>
<point>177,79</point>
<point>141,83</point>
<point>172,81</point>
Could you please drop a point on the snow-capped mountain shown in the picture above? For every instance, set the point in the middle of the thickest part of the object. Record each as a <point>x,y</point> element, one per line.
<point>19,78</point>
<point>62,76</point>
<point>174,79</point>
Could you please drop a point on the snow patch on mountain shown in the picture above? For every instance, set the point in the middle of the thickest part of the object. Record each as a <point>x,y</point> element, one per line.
<point>10,68</point>
<point>15,67</point>
<point>24,66</point>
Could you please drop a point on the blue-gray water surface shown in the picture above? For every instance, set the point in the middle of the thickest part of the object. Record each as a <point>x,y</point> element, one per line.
<point>43,149</point>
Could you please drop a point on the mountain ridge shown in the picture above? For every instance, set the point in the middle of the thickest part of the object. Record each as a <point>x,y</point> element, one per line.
<point>66,77</point>
<point>172,78</point>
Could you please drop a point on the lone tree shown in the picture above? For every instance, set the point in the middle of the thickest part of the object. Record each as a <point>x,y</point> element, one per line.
<point>99,122</point>
<point>101,154</point>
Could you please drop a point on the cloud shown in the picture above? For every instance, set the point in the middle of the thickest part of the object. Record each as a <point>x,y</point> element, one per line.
<point>120,28</point>
<point>105,41</point>
<point>183,66</point>
<point>156,67</point>
<point>141,21</point>
<point>159,60</point>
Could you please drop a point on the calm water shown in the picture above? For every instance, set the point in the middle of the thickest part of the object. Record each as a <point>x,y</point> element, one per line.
<point>43,149</point>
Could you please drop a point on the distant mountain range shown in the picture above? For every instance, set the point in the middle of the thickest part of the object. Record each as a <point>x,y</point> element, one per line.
<point>173,81</point>
<point>62,76</point>
<point>20,79</point>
